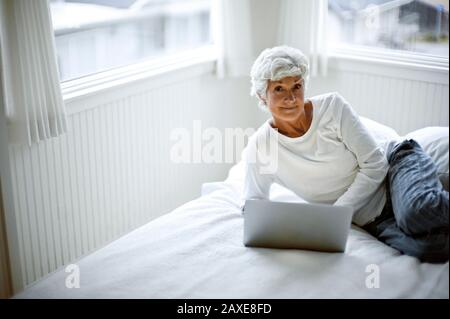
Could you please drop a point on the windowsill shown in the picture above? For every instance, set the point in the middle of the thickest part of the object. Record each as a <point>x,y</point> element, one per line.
<point>391,58</point>
<point>155,67</point>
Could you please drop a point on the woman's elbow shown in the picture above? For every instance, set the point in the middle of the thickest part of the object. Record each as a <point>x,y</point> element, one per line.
<point>377,170</point>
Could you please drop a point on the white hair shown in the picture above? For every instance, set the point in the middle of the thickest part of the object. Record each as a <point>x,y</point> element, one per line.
<point>274,64</point>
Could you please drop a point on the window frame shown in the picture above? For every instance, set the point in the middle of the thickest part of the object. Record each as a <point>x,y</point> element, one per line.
<point>202,57</point>
<point>388,56</point>
<point>151,68</point>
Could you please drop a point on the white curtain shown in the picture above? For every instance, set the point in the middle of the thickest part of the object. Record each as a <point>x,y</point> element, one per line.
<point>232,33</point>
<point>33,99</point>
<point>303,25</point>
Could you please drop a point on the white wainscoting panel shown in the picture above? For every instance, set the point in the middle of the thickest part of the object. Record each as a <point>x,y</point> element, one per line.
<point>112,173</point>
<point>398,97</point>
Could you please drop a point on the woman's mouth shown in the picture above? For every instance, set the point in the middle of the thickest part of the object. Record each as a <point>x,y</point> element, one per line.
<point>288,107</point>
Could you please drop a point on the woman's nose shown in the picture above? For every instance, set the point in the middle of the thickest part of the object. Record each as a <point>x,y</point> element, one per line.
<point>290,96</point>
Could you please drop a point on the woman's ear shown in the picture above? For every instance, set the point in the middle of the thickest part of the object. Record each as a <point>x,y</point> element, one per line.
<point>262,99</point>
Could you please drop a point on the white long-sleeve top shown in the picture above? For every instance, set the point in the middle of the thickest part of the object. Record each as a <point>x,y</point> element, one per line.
<point>337,161</point>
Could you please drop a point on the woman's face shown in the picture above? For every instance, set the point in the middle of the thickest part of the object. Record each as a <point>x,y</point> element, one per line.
<point>285,98</point>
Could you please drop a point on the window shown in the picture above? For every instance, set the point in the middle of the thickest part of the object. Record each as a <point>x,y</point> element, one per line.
<point>416,26</point>
<point>97,35</point>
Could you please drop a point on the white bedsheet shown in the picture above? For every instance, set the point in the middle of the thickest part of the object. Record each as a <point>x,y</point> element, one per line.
<point>196,251</point>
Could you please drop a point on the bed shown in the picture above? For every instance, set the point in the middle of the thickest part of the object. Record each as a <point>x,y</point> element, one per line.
<point>196,251</point>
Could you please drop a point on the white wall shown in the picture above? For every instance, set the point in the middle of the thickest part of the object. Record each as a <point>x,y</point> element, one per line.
<point>405,98</point>
<point>265,18</point>
<point>112,172</point>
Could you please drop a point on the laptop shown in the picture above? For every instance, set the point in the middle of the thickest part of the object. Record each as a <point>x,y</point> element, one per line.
<point>296,225</point>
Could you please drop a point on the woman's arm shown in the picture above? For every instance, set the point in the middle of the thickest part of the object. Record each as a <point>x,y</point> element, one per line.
<point>256,182</point>
<point>372,161</point>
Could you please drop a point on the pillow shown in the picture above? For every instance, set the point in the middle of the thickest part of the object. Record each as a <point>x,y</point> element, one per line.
<point>434,141</point>
<point>385,136</point>
<point>379,130</point>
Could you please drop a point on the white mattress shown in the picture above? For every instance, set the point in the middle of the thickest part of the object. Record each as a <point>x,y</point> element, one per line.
<point>196,251</point>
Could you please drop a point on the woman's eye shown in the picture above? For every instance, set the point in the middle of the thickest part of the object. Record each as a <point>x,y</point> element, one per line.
<point>278,89</point>
<point>298,86</point>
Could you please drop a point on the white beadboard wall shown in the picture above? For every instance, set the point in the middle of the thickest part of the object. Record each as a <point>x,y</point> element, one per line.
<point>111,172</point>
<point>403,97</point>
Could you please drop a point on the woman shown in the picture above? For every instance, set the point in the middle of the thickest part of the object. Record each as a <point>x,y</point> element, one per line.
<point>323,152</point>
